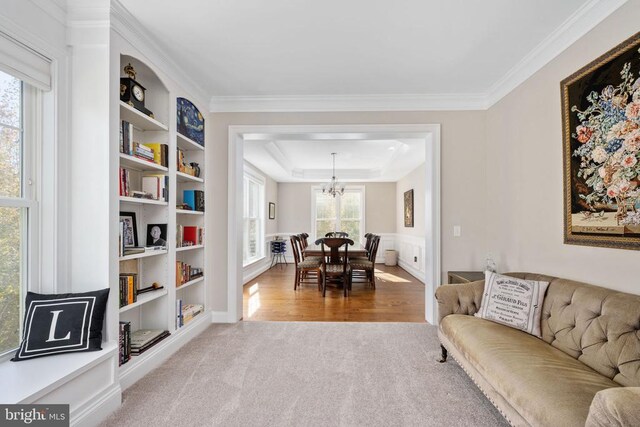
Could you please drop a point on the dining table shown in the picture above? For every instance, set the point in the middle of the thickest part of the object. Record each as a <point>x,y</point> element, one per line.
<point>355,251</point>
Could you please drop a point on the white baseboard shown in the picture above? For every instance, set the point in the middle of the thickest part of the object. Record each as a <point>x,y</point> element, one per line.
<point>221,317</point>
<point>411,270</point>
<point>94,412</point>
<point>256,272</point>
<point>162,351</point>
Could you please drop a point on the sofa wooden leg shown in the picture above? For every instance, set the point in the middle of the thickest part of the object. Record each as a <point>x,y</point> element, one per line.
<point>444,354</point>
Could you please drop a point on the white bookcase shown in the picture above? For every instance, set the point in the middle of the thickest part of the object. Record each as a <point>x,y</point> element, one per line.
<point>157,309</point>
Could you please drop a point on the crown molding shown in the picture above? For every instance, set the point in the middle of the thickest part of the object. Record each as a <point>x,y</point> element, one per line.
<point>317,103</point>
<point>132,30</point>
<point>577,25</point>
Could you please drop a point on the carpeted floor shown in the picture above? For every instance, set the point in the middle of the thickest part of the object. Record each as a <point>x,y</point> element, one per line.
<point>308,374</point>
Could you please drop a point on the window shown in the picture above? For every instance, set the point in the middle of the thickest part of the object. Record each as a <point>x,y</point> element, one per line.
<point>342,213</point>
<point>253,240</point>
<point>17,205</point>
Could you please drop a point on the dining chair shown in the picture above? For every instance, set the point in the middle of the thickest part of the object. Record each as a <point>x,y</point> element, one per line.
<point>338,266</point>
<point>304,243</point>
<point>340,234</point>
<point>303,266</point>
<point>368,265</point>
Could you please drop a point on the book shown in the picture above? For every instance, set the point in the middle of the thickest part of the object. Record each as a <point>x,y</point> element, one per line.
<point>190,235</point>
<point>128,285</point>
<point>142,337</point>
<point>194,199</point>
<point>151,185</point>
<point>124,342</point>
<point>160,153</point>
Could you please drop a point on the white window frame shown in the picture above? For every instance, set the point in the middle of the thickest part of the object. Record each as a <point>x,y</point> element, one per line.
<point>31,139</point>
<point>251,174</point>
<point>348,189</point>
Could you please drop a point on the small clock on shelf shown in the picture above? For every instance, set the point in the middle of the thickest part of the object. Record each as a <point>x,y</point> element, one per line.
<point>132,92</point>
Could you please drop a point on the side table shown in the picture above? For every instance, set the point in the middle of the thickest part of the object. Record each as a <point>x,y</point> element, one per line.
<point>465,276</point>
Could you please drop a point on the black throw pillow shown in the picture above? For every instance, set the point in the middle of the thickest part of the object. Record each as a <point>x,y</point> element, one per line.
<point>63,323</point>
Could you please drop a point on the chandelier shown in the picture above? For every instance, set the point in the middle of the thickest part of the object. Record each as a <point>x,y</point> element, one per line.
<point>334,187</point>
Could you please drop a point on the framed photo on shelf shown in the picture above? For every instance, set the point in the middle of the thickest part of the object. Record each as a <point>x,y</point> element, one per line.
<point>156,235</point>
<point>272,210</point>
<point>130,229</point>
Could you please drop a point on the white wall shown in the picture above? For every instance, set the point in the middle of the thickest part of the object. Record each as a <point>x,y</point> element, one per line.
<point>414,180</point>
<point>524,187</point>
<point>295,207</point>
<point>410,241</point>
<point>462,187</point>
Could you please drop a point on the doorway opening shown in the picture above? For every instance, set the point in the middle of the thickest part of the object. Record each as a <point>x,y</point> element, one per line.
<point>420,250</point>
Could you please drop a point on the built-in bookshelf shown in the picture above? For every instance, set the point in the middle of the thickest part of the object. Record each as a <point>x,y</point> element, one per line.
<point>161,183</point>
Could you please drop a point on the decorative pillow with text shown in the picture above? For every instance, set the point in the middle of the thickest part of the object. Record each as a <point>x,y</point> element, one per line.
<point>513,302</point>
<point>64,323</point>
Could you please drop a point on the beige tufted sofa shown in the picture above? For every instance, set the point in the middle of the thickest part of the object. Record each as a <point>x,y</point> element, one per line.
<point>585,369</point>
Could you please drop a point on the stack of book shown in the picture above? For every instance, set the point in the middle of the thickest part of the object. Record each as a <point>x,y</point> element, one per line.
<point>128,289</point>
<point>143,152</point>
<point>124,343</point>
<point>189,235</point>
<point>186,312</point>
<point>143,339</point>
<point>186,273</point>
<point>160,153</point>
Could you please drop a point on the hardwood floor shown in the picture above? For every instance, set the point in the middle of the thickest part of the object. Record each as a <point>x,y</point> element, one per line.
<point>398,297</point>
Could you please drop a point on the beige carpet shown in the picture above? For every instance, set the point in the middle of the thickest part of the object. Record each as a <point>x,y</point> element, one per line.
<point>308,374</point>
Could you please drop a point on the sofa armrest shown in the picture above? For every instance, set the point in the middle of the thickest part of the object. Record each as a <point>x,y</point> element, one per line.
<point>462,298</point>
<point>615,407</point>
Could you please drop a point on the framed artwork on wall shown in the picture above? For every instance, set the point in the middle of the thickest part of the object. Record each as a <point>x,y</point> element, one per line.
<point>272,210</point>
<point>408,208</point>
<point>601,147</point>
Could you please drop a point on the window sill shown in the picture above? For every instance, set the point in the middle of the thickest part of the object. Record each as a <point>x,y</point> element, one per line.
<point>254,261</point>
<point>29,380</point>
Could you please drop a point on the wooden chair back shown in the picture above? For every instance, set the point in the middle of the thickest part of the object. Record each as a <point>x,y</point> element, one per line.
<point>374,248</point>
<point>295,248</point>
<point>334,244</point>
<point>340,234</point>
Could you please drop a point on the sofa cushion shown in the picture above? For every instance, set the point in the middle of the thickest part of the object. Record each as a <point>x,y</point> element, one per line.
<point>615,407</point>
<point>545,385</point>
<point>513,302</point>
<point>598,326</point>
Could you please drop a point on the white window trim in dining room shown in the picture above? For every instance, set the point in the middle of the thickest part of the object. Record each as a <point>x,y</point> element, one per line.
<point>253,175</point>
<point>348,188</point>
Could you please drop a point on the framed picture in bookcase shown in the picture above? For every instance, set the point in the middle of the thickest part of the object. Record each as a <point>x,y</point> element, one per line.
<point>190,121</point>
<point>130,234</point>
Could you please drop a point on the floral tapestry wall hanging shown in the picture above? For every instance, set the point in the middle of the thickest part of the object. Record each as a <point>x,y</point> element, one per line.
<point>601,133</point>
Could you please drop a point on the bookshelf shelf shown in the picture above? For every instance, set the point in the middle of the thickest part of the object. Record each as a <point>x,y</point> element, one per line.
<point>190,283</point>
<point>143,201</point>
<point>189,248</point>
<point>133,162</point>
<point>188,144</point>
<point>188,212</point>
<point>139,120</point>
<point>145,298</point>
<point>184,177</point>
<point>146,254</point>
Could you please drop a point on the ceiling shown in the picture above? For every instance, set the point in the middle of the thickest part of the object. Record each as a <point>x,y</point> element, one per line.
<point>359,158</point>
<point>241,48</point>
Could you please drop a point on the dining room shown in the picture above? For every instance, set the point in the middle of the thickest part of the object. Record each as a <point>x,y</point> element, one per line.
<point>334,229</point>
